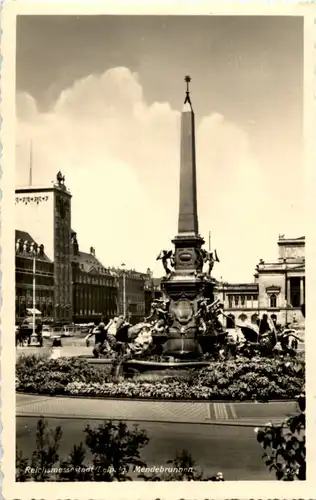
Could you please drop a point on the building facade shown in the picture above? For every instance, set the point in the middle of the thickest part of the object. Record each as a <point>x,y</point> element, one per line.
<point>27,253</point>
<point>278,288</point>
<point>152,291</point>
<point>45,213</point>
<point>95,288</point>
<point>282,283</point>
<point>241,302</point>
<point>131,293</point>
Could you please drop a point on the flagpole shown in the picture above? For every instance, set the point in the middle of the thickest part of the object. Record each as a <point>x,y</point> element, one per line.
<point>209,241</point>
<point>31,164</point>
<point>124,294</point>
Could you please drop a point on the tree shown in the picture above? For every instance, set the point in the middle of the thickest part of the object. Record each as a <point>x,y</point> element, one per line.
<point>75,469</point>
<point>115,449</point>
<point>285,445</point>
<point>43,458</point>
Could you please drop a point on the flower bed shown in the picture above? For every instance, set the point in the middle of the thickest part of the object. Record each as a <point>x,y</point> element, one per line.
<point>236,379</point>
<point>38,374</point>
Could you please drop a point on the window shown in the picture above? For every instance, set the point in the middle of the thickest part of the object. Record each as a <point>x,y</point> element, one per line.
<point>273,300</point>
<point>254,319</point>
<point>236,300</point>
<point>295,295</point>
<point>243,300</point>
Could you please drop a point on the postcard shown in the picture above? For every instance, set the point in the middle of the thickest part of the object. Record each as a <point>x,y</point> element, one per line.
<point>158,250</point>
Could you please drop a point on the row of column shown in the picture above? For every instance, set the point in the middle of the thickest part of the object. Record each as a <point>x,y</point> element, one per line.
<point>302,291</point>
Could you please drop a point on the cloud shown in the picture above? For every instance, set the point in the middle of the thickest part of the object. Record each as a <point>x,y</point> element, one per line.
<point>120,156</point>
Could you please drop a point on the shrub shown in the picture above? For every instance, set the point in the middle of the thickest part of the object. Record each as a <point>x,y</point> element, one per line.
<point>115,450</point>
<point>284,445</point>
<point>43,458</point>
<point>50,376</point>
<point>235,379</point>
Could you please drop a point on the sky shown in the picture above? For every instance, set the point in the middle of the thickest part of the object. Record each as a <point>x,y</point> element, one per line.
<point>100,97</point>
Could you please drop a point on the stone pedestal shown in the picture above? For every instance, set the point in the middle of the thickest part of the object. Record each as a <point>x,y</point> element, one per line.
<point>184,289</point>
<point>34,339</point>
<point>184,292</point>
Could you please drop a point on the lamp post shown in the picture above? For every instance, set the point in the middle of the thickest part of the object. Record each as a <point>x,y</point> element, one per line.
<point>124,289</point>
<point>286,301</point>
<point>34,288</point>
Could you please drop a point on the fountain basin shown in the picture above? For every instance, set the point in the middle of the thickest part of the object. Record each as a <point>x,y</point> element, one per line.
<point>137,366</point>
<point>143,365</point>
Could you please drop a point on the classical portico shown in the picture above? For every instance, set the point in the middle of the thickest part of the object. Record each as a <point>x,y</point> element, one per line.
<point>278,289</point>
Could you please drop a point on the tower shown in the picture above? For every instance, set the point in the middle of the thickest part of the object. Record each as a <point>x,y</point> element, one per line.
<point>45,213</point>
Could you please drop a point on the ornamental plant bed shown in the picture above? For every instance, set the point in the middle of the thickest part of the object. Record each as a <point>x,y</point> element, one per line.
<point>237,379</point>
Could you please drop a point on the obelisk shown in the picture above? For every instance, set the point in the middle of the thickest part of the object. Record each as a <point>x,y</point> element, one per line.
<point>187,241</point>
<point>188,218</point>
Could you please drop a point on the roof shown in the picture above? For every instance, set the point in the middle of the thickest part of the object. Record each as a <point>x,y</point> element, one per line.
<point>129,273</point>
<point>31,311</point>
<point>89,263</point>
<point>41,189</point>
<point>238,286</point>
<point>23,235</point>
<point>153,281</point>
<point>287,241</point>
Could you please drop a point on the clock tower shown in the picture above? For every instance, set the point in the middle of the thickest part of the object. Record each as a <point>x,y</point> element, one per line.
<point>45,213</point>
<point>62,251</point>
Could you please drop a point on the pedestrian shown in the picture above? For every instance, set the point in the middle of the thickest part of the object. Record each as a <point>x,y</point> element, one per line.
<point>264,326</point>
<point>101,340</point>
<point>39,332</point>
<point>91,332</point>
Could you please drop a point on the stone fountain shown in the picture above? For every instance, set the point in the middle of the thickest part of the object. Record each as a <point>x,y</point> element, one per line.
<point>186,316</point>
<point>185,325</point>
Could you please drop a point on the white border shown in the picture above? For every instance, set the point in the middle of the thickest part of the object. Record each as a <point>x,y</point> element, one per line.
<point>140,490</point>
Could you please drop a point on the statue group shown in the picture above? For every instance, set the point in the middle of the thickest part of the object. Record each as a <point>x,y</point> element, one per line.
<point>203,258</point>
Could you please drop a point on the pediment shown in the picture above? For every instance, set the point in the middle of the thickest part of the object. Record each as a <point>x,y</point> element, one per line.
<point>273,289</point>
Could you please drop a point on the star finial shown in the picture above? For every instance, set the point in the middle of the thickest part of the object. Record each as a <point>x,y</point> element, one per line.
<point>187,80</point>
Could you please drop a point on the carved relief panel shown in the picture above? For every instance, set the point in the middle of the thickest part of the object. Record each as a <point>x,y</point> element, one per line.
<point>185,258</point>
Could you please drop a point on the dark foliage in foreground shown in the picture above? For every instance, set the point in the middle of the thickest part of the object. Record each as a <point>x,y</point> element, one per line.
<point>285,447</point>
<point>115,451</point>
<point>116,455</point>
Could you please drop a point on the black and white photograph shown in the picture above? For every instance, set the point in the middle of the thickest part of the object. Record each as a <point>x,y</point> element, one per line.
<point>159,225</point>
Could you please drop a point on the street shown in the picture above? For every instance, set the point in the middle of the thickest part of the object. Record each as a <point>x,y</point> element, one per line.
<point>246,414</point>
<point>234,451</point>
<point>220,436</point>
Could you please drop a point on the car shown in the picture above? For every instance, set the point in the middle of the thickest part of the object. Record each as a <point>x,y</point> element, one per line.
<point>46,331</point>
